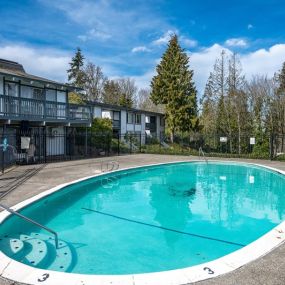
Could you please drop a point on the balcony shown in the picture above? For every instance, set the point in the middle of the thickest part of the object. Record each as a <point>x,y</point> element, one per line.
<point>17,108</point>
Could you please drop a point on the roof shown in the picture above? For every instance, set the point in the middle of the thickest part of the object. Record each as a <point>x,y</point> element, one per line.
<point>13,68</point>
<point>117,107</point>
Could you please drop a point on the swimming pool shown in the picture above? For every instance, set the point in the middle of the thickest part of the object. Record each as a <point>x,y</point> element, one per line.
<point>149,219</point>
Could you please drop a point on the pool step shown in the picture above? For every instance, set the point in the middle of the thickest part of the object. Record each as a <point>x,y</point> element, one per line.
<point>38,250</point>
<point>62,259</point>
<point>11,246</point>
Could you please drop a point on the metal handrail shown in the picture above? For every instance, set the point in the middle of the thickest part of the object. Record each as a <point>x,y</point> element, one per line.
<point>33,222</point>
<point>114,166</point>
<point>201,153</point>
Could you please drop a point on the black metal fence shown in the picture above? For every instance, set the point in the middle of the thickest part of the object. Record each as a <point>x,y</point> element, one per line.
<point>41,147</point>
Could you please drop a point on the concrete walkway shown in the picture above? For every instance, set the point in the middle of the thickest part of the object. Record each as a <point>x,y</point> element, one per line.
<point>269,269</point>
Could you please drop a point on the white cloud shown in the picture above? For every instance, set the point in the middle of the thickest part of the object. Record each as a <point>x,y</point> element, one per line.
<point>264,61</point>
<point>94,34</point>
<point>141,49</point>
<point>51,64</point>
<point>236,42</point>
<point>164,39</point>
<point>188,42</point>
<point>250,26</point>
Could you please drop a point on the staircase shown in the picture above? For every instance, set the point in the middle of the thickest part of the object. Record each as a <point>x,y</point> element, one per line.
<point>38,250</point>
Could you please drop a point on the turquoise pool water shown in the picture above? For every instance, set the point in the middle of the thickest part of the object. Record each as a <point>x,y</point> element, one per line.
<point>149,219</point>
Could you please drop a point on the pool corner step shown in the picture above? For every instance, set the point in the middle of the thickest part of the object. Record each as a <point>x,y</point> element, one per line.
<point>63,256</point>
<point>38,252</point>
<point>11,246</point>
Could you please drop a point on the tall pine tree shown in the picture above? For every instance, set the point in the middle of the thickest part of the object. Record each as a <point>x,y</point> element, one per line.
<point>173,87</point>
<point>76,75</point>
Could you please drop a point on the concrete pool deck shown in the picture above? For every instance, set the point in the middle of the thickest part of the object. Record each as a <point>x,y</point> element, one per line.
<point>269,269</point>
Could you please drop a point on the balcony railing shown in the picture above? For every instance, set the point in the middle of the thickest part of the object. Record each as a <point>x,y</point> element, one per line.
<point>26,109</point>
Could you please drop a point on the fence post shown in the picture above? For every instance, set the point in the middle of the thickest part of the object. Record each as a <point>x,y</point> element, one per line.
<point>140,142</point>
<point>3,152</point>
<point>45,144</point>
<point>118,144</point>
<point>85,141</point>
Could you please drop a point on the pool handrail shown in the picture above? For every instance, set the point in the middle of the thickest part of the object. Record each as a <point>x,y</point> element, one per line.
<point>11,211</point>
<point>202,153</point>
<point>114,166</point>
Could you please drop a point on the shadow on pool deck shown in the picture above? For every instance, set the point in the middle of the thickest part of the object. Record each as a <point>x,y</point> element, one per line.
<point>269,269</point>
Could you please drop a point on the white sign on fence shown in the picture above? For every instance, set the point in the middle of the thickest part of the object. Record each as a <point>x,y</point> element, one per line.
<point>223,139</point>
<point>252,141</point>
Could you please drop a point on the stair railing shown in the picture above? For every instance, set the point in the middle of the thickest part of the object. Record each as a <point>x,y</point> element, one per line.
<point>32,222</point>
<point>202,154</point>
<point>108,166</point>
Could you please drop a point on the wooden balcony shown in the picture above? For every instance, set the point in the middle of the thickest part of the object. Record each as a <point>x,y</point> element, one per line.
<point>18,108</point>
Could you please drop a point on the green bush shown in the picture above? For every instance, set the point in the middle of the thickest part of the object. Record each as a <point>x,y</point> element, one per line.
<point>102,133</point>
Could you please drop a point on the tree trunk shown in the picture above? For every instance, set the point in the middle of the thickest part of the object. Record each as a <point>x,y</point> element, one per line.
<point>172,136</point>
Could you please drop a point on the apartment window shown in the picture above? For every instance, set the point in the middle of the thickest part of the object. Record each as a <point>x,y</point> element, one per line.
<point>106,114</point>
<point>1,85</point>
<point>51,95</point>
<point>38,94</point>
<point>12,89</point>
<point>116,116</point>
<point>138,119</point>
<point>130,118</point>
<point>61,96</point>
<point>26,92</point>
<point>32,93</point>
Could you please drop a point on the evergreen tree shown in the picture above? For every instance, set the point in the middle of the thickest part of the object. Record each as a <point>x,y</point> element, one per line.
<point>75,72</point>
<point>173,87</point>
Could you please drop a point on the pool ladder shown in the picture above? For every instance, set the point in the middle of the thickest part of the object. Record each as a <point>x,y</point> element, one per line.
<point>32,222</point>
<point>108,166</point>
<point>202,154</point>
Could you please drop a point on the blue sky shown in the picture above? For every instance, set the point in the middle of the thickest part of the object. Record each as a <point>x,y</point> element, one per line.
<point>127,38</point>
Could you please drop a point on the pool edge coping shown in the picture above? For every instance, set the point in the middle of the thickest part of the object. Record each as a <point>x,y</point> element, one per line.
<point>19,272</point>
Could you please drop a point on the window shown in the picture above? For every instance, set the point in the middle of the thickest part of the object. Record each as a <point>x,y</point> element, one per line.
<point>106,115</point>
<point>12,89</point>
<point>116,116</point>
<point>138,119</point>
<point>61,96</point>
<point>38,94</point>
<point>32,93</point>
<point>130,118</point>
<point>51,95</point>
<point>26,92</point>
<point>1,85</point>
<point>147,119</point>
